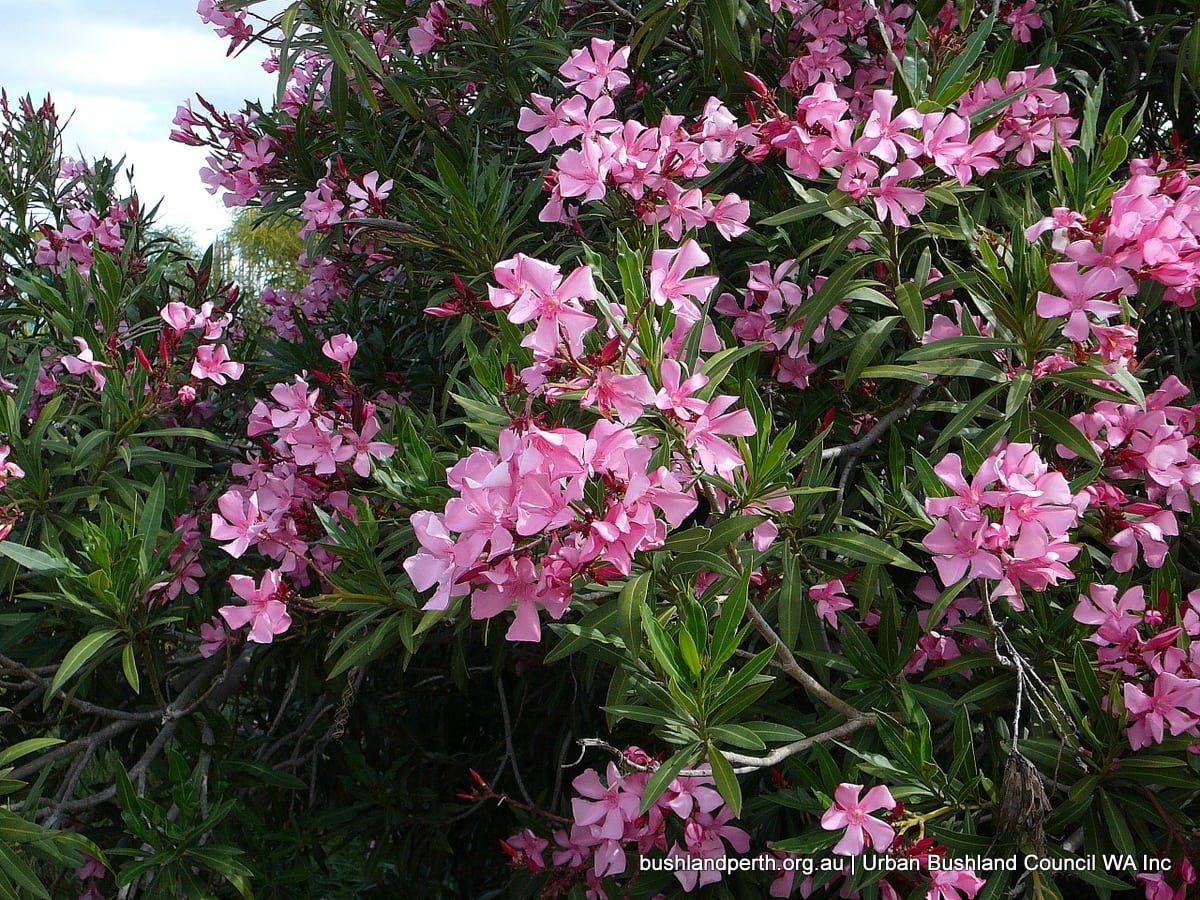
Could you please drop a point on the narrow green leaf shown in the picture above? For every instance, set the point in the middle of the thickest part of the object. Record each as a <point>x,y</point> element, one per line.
<point>24,748</point>
<point>33,560</point>
<point>1062,430</point>
<point>664,648</point>
<point>867,346</point>
<point>864,548</point>
<point>78,656</point>
<point>725,635</point>
<point>629,611</point>
<point>20,872</point>
<point>664,775</point>
<point>129,666</point>
<point>727,783</point>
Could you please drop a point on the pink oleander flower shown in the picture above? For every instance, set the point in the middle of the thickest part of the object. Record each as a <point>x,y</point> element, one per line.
<point>213,637</point>
<point>668,281</point>
<point>676,396</point>
<point>179,316</point>
<point>1173,705</point>
<point>597,70</point>
<point>853,814</point>
<point>831,599</point>
<point>84,361</point>
<point>239,521</point>
<point>1024,20</point>
<point>1081,293</point>
<point>605,808</point>
<point>716,455</point>
<point>954,884</point>
<point>341,349</point>
<point>214,364</point>
<point>264,612</point>
<point>1114,620</point>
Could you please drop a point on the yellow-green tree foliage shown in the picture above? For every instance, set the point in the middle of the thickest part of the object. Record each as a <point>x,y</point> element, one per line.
<point>262,250</point>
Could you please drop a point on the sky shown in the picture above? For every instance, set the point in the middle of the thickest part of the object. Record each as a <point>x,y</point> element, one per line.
<point>120,68</point>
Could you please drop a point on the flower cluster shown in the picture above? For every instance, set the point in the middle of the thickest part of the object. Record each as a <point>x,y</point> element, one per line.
<point>878,154</point>
<point>306,464</point>
<point>555,503</point>
<point>1157,650</point>
<point>550,505</point>
<point>767,313</point>
<point>688,819</point>
<point>851,810</point>
<point>88,227</point>
<point>1151,449</point>
<point>938,642</point>
<point>648,166</point>
<point>1150,231</point>
<point>829,42</point>
<point>1008,524</point>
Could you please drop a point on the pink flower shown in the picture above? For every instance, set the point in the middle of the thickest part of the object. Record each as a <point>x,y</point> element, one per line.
<point>86,362</point>
<point>238,521</point>
<point>596,71</point>
<point>212,637</point>
<point>668,269</point>
<point>1174,705</point>
<point>954,884</point>
<point>214,364</point>
<point>1023,20</point>
<point>265,613</point>
<point>1081,293</point>
<point>604,808</point>
<point>715,455</point>
<point>179,316</point>
<point>853,814</point>
<point>676,396</point>
<point>1115,619</point>
<point>341,349</point>
<point>831,599</point>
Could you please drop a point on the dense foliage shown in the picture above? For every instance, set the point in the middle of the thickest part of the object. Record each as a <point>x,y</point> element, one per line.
<point>691,436</point>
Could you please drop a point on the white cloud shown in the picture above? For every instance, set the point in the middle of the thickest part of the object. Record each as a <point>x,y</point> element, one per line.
<point>120,74</point>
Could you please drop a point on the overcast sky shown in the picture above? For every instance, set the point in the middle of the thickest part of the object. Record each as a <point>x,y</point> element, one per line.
<point>122,67</point>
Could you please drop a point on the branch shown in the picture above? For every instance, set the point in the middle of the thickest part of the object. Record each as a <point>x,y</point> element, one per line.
<point>743,764</point>
<point>796,672</point>
<point>853,451</point>
<point>81,705</point>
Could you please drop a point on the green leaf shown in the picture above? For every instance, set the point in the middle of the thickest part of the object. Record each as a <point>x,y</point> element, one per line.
<point>629,610</point>
<point>965,416</point>
<point>791,599</point>
<point>864,548</point>
<point>18,870</point>
<point>664,775</point>
<point>78,656</point>
<point>866,347</point>
<point>949,347</point>
<point>1063,430</point>
<point>807,843</point>
<point>908,298</point>
<point>34,560</point>
<point>129,666</point>
<point>664,648</point>
<point>24,748</point>
<point>725,636</point>
<point>150,521</point>
<point>727,783</point>
<point>1125,379</point>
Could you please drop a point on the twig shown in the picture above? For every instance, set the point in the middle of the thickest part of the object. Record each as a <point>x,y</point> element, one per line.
<point>796,672</point>
<point>853,451</point>
<point>82,705</point>
<point>508,743</point>
<point>743,765</point>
